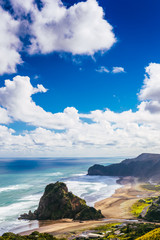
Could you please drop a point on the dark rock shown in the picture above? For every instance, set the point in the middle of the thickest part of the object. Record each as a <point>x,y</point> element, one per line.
<point>88,213</point>
<point>146,166</point>
<point>57,203</point>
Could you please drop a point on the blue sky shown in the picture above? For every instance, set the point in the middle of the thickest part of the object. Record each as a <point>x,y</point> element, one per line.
<point>77,74</point>
<point>136,27</point>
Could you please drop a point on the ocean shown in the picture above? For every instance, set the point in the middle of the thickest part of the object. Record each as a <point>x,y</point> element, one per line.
<point>22,183</point>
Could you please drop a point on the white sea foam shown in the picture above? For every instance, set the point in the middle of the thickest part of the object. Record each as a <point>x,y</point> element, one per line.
<point>14,187</point>
<point>7,212</point>
<point>92,188</point>
<point>35,197</point>
<point>17,225</point>
<point>56,174</point>
<point>13,211</point>
<point>79,174</point>
<point>23,205</point>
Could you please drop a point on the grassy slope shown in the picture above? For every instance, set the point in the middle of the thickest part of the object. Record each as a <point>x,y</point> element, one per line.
<point>138,206</point>
<point>151,187</point>
<point>126,232</point>
<point>152,235</point>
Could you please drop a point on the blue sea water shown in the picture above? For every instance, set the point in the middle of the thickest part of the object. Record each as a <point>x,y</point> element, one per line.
<point>22,183</point>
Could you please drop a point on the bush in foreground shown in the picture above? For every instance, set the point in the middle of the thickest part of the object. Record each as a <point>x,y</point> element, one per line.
<point>152,235</point>
<point>33,236</point>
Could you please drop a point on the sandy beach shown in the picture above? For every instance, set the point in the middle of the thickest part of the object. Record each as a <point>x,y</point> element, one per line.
<point>63,227</point>
<point>119,204</point>
<point>115,209</point>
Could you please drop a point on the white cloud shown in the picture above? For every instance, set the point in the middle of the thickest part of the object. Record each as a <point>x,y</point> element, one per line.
<point>151,87</point>
<point>79,29</point>
<point>102,69</point>
<point>13,144</point>
<point>10,45</point>
<point>150,92</point>
<point>118,69</point>
<point>24,8</point>
<point>15,97</point>
<point>69,133</point>
<point>110,134</point>
<point>4,118</point>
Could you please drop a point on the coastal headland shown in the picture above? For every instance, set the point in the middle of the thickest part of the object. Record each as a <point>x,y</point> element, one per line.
<point>116,208</point>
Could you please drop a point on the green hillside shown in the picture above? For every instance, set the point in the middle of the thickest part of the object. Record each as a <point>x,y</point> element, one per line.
<point>152,235</point>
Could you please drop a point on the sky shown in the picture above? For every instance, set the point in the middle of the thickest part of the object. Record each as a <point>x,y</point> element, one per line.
<point>79,78</point>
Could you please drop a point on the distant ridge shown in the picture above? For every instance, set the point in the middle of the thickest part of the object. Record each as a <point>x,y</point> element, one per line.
<point>145,167</point>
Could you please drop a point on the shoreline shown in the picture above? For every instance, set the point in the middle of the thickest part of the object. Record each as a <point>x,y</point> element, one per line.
<point>119,204</point>
<point>115,208</point>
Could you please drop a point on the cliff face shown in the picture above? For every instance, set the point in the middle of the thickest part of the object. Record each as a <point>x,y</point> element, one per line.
<point>57,203</point>
<point>145,166</point>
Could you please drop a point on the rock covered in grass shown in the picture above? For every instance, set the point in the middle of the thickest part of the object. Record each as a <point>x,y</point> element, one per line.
<point>88,213</point>
<point>57,203</point>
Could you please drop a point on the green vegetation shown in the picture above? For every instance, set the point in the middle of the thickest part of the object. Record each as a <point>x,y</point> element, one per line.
<point>130,231</point>
<point>153,213</point>
<point>121,231</point>
<point>148,209</point>
<point>152,235</point>
<point>107,227</point>
<point>140,205</point>
<point>88,213</point>
<point>151,187</point>
<point>34,236</point>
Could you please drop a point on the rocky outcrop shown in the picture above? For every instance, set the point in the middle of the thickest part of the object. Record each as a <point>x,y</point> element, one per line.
<point>145,166</point>
<point>57,203</point>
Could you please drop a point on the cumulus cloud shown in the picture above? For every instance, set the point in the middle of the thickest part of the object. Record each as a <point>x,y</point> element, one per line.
<point>150,92</point>
<point>70,133</point>
<point>16,98</point>
<point>151,86</point>
<point>118,69</point>
<point>4,118</point>
<point>80,29</point>
<point>21,9</point>
<point>109,134</point>
<point>49,27</point>
<point>102,69</point>
<point>10,44</point>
